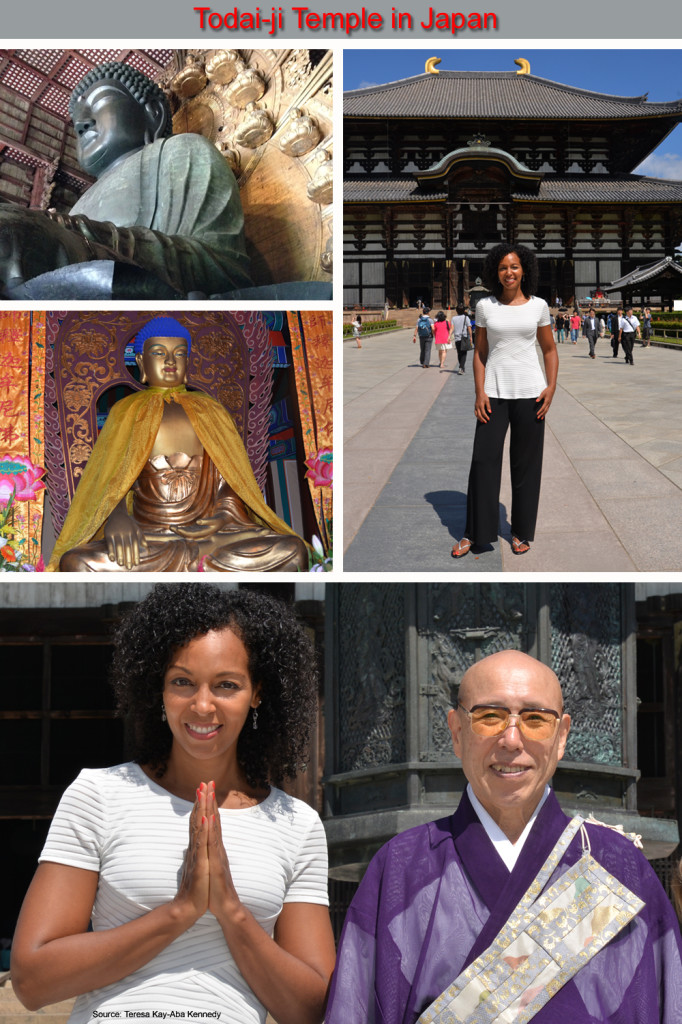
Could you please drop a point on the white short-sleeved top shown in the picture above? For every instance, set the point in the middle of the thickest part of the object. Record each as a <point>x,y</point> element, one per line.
<point>628,326</point>
<point>513,368</point>
<point>134,833</point>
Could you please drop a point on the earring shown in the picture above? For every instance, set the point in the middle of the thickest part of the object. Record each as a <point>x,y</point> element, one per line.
<point>254,723</point>
<point>163,712</point>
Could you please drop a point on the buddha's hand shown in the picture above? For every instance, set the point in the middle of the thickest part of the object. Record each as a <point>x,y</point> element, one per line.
<point>32,244</point>
<point>223,897</point>
<point>124,538</point>
<point>201,529</point>
<point>193,891</point>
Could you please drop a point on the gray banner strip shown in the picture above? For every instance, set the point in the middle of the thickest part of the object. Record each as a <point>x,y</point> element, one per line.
<point>228,24</point>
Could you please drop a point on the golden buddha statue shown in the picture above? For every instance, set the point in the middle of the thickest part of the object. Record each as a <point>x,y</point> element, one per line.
<point>169,486</point>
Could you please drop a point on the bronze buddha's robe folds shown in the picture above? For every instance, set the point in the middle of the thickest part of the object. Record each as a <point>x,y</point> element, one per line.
<point>171,209</point>
<point>177,491</point>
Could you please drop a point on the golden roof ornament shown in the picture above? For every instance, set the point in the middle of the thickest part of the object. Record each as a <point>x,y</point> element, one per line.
<point>430,66</point>
<point>478,139</point>
<point>524,65</point>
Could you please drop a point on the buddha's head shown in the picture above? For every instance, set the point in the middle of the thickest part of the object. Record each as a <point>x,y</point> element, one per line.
<point>162,350</point>
<point>116,110</point>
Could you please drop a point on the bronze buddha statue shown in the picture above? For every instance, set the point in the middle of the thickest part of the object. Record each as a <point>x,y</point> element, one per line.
<point>163,220</point>
<point>169,487</point>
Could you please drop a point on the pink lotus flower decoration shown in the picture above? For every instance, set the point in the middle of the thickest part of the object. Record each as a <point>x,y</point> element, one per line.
<point>18,474</point>
<point>320,468</point>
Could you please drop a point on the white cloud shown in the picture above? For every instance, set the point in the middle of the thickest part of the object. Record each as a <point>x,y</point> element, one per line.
<point>662,165</point>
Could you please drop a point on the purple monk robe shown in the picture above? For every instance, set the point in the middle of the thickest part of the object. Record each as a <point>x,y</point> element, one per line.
<point>434,898</point>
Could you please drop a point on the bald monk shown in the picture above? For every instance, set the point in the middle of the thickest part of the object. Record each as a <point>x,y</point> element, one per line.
<point>169,486</point>
<point>507,911</point>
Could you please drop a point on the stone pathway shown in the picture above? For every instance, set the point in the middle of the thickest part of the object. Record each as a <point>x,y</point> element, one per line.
<point>611,499</point>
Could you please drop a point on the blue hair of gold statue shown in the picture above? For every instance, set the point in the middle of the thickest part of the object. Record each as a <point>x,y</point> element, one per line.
<point>162,327</point>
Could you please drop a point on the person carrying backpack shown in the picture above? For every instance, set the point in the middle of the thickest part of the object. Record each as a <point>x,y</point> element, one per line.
<point>424,331</point>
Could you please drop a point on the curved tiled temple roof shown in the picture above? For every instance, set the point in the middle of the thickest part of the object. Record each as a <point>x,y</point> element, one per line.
<point>495,94</point>
<point>631,188</point>
<point>647,273</point>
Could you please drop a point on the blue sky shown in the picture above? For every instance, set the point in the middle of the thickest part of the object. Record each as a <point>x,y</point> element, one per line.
<point>621,72</point>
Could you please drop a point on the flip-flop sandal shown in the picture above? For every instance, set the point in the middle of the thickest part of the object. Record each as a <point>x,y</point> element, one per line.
<point>462,548</point>
<point>519,547</point>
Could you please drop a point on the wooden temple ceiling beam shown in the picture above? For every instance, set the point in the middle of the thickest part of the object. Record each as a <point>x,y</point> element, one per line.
<point>8,148</point>
<point>51,79</point>
<point>39,158</point>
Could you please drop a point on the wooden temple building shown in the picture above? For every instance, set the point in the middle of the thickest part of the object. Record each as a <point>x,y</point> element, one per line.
<point>440,167</point>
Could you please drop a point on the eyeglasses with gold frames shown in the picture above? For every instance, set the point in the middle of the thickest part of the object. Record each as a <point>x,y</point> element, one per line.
<point>491,720</point>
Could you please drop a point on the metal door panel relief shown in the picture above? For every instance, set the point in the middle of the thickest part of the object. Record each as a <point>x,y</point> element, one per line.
<point>586,636</point>
<point>372,682</point>
<point>458,625</point>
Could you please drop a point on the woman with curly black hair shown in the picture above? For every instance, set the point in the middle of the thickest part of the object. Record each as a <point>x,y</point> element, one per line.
<point>206,884</point>
<point>510,392</point>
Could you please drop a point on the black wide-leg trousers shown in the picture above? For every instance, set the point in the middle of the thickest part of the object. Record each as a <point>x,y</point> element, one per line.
<point>525,457</point>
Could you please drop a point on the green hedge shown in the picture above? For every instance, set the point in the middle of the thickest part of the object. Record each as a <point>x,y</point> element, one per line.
<point>667,325</point>
<point>666,319</point>
<point>371,327</point>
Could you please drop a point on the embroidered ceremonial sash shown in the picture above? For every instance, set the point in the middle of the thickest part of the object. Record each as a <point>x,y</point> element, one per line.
<point>545,942</point>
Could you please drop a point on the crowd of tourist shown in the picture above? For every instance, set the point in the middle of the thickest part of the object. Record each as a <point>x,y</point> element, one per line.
<point>622,326</point>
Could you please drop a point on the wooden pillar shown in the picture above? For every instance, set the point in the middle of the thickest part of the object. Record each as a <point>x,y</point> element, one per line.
<point>554,282</point>
<point>453,293</point>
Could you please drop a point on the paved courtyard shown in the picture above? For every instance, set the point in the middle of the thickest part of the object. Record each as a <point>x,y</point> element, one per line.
<point>611,497</point>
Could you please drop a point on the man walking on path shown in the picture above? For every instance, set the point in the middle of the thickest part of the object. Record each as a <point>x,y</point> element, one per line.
<point>424,330</point>
<point>628,326</point>
<point>592,323</point>
<point>614,321</point>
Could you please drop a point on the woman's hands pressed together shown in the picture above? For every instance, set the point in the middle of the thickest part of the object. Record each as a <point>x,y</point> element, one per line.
<point>55,957</point>
<point>194,881</point>
<point>206,881</point>
<point>290,973</point>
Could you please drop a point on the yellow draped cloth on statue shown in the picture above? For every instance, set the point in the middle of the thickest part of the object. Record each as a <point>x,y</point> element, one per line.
<point>124,445</point>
